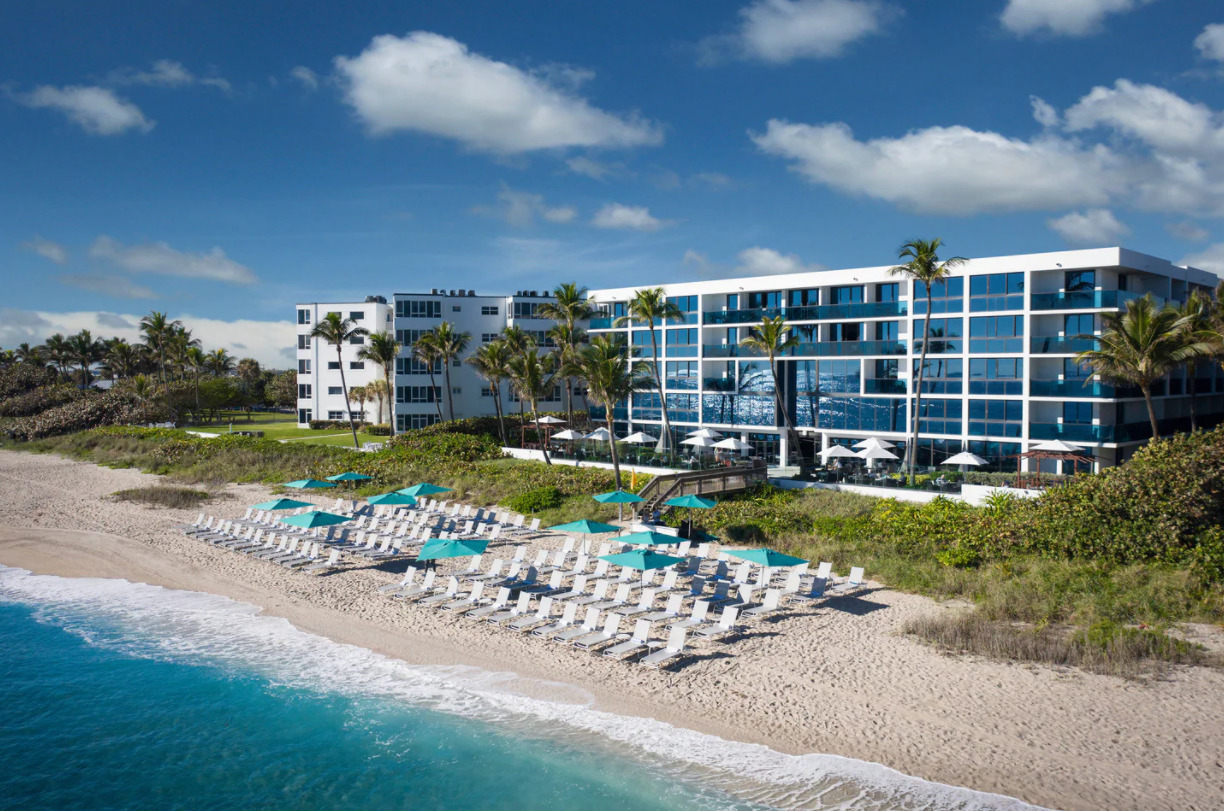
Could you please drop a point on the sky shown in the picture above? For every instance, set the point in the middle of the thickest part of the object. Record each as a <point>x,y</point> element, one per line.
<point>220,161</point>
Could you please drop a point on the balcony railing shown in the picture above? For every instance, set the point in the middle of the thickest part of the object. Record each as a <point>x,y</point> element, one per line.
<point>1075,389</point>
<point>1085,300</point>
<point>1071,432</point>
<point>718,384</point>
<point>824,349</point>
<point>1061,345</point>
<point>600,323</point>
<point>867,309</point>
<point>883,386</point>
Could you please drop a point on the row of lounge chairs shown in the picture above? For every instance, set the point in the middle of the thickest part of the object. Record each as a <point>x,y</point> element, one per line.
<point>292,550</point>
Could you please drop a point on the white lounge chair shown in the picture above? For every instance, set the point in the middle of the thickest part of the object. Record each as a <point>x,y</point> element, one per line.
<point>426,587</point>
<point>609,632</point>
<point>467,603</point>
<point>675,646</point>
<point>696,619</point>
<point>540,617</point>
<point>853,583</point>
<point>333,559</point>
<point>671,612</point>
<point>725,625</point>
<point>636,643</point>
<point>645,604</point>
<point>588,626</point>
<point>567,619</point>
<point>770,605</point>
<point>503,597</point>
<point>521,607</point>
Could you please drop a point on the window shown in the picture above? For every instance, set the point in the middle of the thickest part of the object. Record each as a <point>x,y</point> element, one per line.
<point>1077,413</point>
<point>304,366</point>
<point>840,376</point>
<point>408,337</point>
<point>1003,418</point>
<point>418,394</point>
<point>541,337</point>
<point>687,304</point>
<point>337,415</point>
<point>767,298</point>
<point>456,390</point>
<point>356,315</point>
<point>357,340</point>
<point>998,291</point>
<point>456,308</point>
<point>305,415</point>
<point>996,376</point>
<point>303,342</point>
<point>946,335</point>
<point>488,309</point>
<point>846,332</point>
<point>1076,371</point>
<point>681,337</point>
<point>408,422</point>
<point>682,374</point>
<point>526,309</point>
<point>755,376</point>
<point>303,316</point>
<point>335,390</point>
<point>947,296</point>
<point>940,416</point>
<point>941,375</point>
<point>1000,455</point>
<point>999,333</point>
<point>888,291</point>
<point>356,364</point>
<point>848,294</point>
<point>886,330</point>
<point>1080,324</point>
<point>304,391</point>
<point>417,308</point>
<point>1079,281</point>
<point>859,413</point>
<point>486,391</point>
<point>803,298</point>
<point>488,337</point>
<point>333,365</point>
<point>412,366</point>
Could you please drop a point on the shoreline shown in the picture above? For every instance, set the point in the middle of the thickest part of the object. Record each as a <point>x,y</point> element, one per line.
<point>836,682</point>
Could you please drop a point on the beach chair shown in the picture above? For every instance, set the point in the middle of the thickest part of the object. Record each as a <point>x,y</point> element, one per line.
<point>793,582</point>
<point>696,588</point>
<point>426,587</point>
<point>645,604</point>
<point>447,594</point>
<point>290,552</point>
<point>824,571</point>
<point>278,549</point>
<point>621,598</point>
<point>333,559</point>
<point>467,603</point>
<point>503,597</point>
<point>770,605</point>
<point>675,646</point>
<point>853,583</point>
<point>568,615</point>
<point>814,592</point>
<point>409,576</point>
<point>726,624</point>
<point>526,580</point>
<point>542,615</point>
<point>610,630</point>
<point>588,626</point>
<point>596,596</point>
<point>521,607</point>
<point>638,642</point>
<point>550,589</point>
<point>696,618</point>
<point>672,611</point>
<point>577,590</point>
<point>309,553</point>
<point>494,573</point>
<point>722,594</point>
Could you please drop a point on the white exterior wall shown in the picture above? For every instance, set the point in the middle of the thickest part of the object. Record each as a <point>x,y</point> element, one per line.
<point>375,317</point>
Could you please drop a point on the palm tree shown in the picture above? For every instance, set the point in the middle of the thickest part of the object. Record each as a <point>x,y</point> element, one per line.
<point>451,345</point>
<point>646,307</point>
<point>339,331</point>
<point>158,330</point>
<point>490,362</point>
<point>181,342</point>
<point>377,390</point>
<point>142,388</point>
<point>383,349</point>
<point>248,373</point>
<point>923,267</point>
<point>568,307</point>
<point>1142,345</point>
<point>359,394</point>
<point>610,378</point>
<point>56,350</point>
<point>518,342</point>
<point>122,358</point>
<point>532,377</point>
<point>220,362</point>
<point>771,339</point>
<point>85,350</point>
<point>427,352</point>
<point>1197,315</point>
<point>197,361</point>
<point>24,353</point>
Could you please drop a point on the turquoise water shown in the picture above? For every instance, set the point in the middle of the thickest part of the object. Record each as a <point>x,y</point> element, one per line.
<point>123,696</point>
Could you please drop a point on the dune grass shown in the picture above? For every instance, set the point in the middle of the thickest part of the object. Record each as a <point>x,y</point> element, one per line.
<point>178,498</point>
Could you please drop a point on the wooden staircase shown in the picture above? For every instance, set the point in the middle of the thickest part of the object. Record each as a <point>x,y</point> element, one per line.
<point>713,482</point>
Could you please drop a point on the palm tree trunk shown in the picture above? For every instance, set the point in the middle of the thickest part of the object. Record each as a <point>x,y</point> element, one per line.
<point>569,401</point>
<point>433,384</point>
<point>497,407</point>
<point>390,399</point>
<point>1146,388</point>
<point>347,409</point>
<point>612,445</point>
<point>543,445</point>
<point>196,373</point>
<point>792,438</point>
<point>665,439</point>
<point>911,452</point>
<point>1193,396</point>
<point>161,354</point>
<point>450,395</point>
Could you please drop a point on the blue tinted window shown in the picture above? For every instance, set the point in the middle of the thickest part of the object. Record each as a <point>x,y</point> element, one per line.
<point>848,294</point>
<point>888,291</point>
<point>996,418</point>
<point>941,375</point>
<point>946,334</point>
<point>947,296</point>
<point>996,375</point>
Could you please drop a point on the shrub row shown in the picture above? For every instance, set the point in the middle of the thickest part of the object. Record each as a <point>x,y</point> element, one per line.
<point>23,377</point>
<point>38,400</point>
<point>93,409</point>
<point>334,425</point>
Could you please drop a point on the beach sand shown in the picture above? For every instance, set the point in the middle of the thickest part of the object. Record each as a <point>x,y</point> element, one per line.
<point>839,680</point>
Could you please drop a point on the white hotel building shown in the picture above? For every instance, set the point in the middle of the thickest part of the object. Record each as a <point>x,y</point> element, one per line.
<point>1000,377</point>
<point>416,397</point>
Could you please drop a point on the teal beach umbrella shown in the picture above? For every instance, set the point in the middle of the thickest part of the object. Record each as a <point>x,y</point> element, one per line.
<point>619,498</point>
<point>281,504</point>
<point>349,477</point>
<point>650,539</point>
<point>692,502</point>
<point>317,518</point>
<point>586,527</point>
<point>423,489</point>
<point>766,557</point>
<point>642,559</point>
<point>308,484</point>
<point>392,498</point>
<point>437,548</point>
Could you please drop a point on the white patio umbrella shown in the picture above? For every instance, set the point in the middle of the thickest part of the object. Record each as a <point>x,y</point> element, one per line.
<point>964,459</point>
<point>549,420</point>
<point>708,433</point>
<point>1057,446</point>
<point>732,444</point>
<point>641,438</point>
<point>872,455</point>
<point>568,435</point>
<point>874,442</point>
<point>600,435</point>
<point>839,451</point>
<point>699,442</point>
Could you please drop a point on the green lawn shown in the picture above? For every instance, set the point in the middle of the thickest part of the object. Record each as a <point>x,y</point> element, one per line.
<point>282,426</point>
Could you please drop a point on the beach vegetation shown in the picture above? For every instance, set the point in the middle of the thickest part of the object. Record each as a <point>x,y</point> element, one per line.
<point>177,498</point>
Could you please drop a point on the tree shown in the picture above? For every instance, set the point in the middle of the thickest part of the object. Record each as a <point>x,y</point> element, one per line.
<point>490,361</point>
<point>1142,345</point>
<point>56,350</point>
<point>122,359</point>
<point>359,394</point>
<point>158,330</point>
<point>248,372</point>
<point>383,349</point>
<point>339,331</point>
<point>221,362</point>
<point>611,377</point>
<point>85,351</point>
<point>197,361</point>
<point>533,377</point>
<point>181,342</point>
<point>518,342</point>
<point>924,267</point>
<point>771,339</point>
<point>568,307</point>
<point>427,352</point>
<point>283,389</point>
<point>24,353</point>
<point>1196,314</point>
<point>377,390</point>
<point>451,345</point>
<point>646,307</point>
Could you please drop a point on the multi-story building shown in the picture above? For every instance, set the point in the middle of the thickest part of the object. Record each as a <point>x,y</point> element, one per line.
<point>1000,372</point>
<point>417,398</point>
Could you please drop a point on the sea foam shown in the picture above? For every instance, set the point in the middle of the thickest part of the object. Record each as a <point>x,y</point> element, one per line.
<point>189,627</point>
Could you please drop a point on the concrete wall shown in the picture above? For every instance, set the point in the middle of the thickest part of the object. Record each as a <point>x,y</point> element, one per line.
<point>538,456</point>
<point>974,494</point>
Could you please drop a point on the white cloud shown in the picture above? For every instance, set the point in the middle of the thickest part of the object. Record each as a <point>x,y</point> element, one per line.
<point>429,83</point>
<point>1156,116</point>
<point>47,249</point>
<point>1072,18</point>
<point>636,218</point>
<point>1044,113</point>
<point>520,209</point>
<point>1188,231</point>
<point>269,342</point>
<point>947,170</point>
<point>1211,259</point>
<point>160,258</point>
<point>165,73</point>
<point>758,261</point>
<point>698,262</point>
<point>308,78</point>
<point>96,110</point>
<point>116,286</point>
<point>1096,226</point>
<point>596,170</point>
<point>1210,43</point>
<point>780,31</point>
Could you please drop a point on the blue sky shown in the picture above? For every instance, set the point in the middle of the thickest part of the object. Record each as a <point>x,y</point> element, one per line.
<point>222,160</point>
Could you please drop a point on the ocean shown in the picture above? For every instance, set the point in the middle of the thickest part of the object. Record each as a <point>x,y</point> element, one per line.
<point>121,695</point>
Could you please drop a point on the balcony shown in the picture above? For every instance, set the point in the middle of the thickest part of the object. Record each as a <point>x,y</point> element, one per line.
<point>1085,300</point>
<point>824,349</point>
<point>718,384</point>
<point>1071,432</point>
<point>883,386</point>
<point>753,316</point>
<point>600,323</point>
<point>1061,345</point>
<point>1075,389</point>
<point>872,309</point>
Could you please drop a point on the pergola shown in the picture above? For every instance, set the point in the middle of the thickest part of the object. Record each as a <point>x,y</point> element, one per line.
<point>1057,455</point>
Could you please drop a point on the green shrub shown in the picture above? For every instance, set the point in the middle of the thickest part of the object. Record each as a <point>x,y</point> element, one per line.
<point>534,500</point>
<point>378,430</point>
<point>92,410</point>
<point>334,425</point>
<point>39,400</point>
<point>23,377</point>
<point>161,496</point>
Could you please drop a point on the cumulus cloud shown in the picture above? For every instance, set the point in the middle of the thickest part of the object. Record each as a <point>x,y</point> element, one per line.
<point>780,31</point>
<point>1096,226</point>
<point>97,110</point>
<point>1211,259</point>
<point>47,249</point>
<point>596,170</point>
<point>1153,115</point>
<point>1044,113</point>
<point>1071,18</point>
<point>635,218</point>
<point>269,342</point>
<point>115,286</point>
<point>428,83</point>
<point>308,78</point>
<point>758,261</point>
<point>166,73</point>
<point>160,258</point>
<point>1188,231</point>
<point>1210,43</point>
<point>520,209</point>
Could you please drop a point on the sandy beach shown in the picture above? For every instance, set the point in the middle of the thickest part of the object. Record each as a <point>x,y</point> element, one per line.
<point>838,680</point>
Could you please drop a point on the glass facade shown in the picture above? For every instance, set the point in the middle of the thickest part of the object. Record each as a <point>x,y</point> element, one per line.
<point>737,409</point>
<point>940,416</point>
<point>1000,455</point>
<point>941,375</point>
<point>996,418</point>
<point>681,374</point>
<point>996,375</point>
<point>947,296</point>
<point>998,291</point>
<point>946,336</point>
<point>855,414</point>
<point>998,333</point>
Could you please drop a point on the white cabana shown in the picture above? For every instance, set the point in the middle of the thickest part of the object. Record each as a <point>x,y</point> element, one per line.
<point>872,454</point>
<point>699,442</point>
<point>1057,446</point>
<point>641,438</point>
<point>965,458</point>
